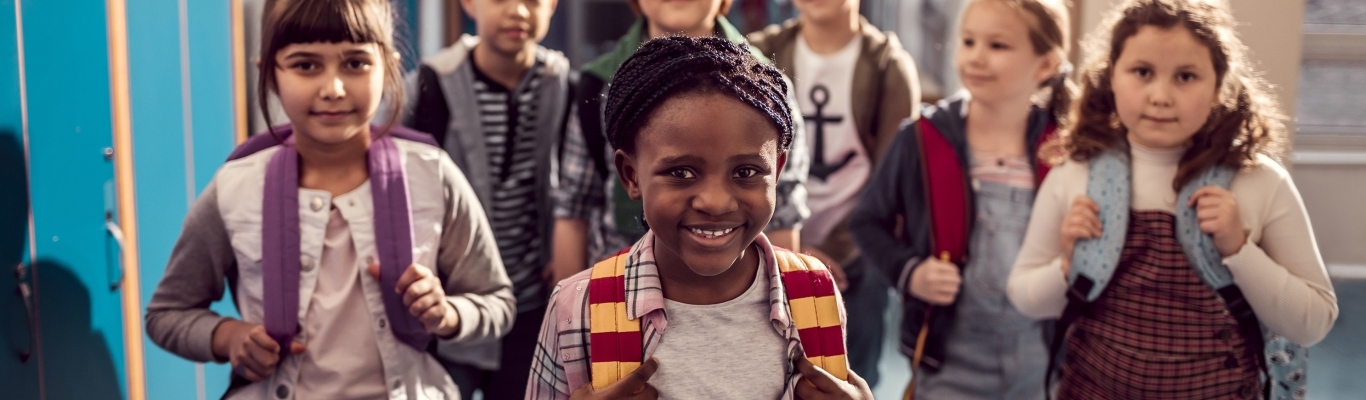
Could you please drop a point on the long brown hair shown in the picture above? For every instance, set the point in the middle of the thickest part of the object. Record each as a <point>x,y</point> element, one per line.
<point>1246,121</point>
<point>286,22</point>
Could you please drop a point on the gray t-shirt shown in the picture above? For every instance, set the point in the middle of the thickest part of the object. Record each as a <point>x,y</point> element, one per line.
<point>722,351</point>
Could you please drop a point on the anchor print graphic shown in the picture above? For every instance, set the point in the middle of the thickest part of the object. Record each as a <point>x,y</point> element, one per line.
<point>820,96</point>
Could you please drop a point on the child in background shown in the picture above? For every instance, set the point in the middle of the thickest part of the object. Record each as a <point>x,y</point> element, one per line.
<point>353,252</point>
<point>1170,236</point>
<point>855,85</point>
<point>594,217</point>
<point>509,98</point>
<point>945,212</point>
<point>703,306</point>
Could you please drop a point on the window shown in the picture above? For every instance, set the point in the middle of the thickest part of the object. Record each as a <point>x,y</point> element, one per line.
<point>1331,109</point>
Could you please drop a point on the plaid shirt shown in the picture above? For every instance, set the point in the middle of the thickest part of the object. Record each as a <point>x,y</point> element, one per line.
<point>561,364</point>
<point>585,194</point>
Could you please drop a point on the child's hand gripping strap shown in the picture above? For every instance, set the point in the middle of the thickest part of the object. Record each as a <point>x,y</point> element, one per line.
<point>815,311</point>
<point>1109,184</point>
<point>280,241</point>
<point>1094,260</point>
<point>1283,361</point>
<point>615,342</point>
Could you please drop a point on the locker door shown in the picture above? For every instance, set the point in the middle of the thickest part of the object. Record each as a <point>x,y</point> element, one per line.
<point>76,253</point>
<point>18,351</point>
<point>184,124</point>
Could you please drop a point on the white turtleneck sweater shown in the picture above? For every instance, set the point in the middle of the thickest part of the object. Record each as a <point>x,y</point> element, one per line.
<point>1279,269</point>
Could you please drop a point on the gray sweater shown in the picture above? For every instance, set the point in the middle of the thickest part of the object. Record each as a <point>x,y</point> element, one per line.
<point>179,319</point>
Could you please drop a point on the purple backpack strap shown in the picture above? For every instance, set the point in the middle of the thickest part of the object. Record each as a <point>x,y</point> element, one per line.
<point>280,240</point>
<point>265,140</point>
<point>280,246</point>
<point>394,238</point>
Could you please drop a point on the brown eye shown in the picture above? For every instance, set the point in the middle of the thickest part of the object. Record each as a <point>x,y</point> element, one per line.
<point>682,173</point>
<point>746,172</point>
<point>358,64</point>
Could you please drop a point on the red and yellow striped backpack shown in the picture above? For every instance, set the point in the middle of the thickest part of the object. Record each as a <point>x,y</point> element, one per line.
<point>617,347</point>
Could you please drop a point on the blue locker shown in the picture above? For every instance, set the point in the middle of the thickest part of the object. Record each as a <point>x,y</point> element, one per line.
<point>69,255</point>
<point>75,260</point>
<point>18,361</point>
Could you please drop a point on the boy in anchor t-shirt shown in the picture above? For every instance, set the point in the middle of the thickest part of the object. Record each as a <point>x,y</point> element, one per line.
<point>855,85</point>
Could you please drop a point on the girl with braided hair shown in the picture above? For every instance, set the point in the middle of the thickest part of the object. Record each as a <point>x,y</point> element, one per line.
<point>700,130</point>
<point>594,216</point>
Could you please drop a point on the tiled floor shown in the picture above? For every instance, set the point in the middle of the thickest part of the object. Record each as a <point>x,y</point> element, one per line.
<point>1337,368</point>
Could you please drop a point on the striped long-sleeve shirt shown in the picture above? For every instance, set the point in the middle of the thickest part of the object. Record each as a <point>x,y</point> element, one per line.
<point>509,120</point>
<point>561,363</point>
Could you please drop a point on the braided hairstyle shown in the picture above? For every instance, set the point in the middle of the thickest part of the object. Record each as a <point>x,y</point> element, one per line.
<point>672,66</point>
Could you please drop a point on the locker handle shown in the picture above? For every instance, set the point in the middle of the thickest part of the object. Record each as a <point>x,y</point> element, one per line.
<point>116,278</point>
<point>26,293</point>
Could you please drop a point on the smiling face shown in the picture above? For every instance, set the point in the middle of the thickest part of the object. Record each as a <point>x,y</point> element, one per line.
<point>995,59</point>
<point>708,185</point>
<point>1165,86</point>
<point>687,17</point>
<point>330,91</point>
<point>510,26</point>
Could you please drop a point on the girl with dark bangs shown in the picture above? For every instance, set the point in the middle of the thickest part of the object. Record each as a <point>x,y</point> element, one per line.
<point>356,254</point>
<point>1170,239</point>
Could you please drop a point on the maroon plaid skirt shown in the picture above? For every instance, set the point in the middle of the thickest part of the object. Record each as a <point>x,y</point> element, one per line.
<point>1157,332</point>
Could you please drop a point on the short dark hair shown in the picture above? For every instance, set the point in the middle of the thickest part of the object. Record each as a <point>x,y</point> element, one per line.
<point>673,66</point>
<point>286,22</point>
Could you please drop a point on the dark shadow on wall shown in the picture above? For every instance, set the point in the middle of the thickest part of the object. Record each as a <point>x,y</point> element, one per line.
<point>18,366</point>
<point>76,362</point>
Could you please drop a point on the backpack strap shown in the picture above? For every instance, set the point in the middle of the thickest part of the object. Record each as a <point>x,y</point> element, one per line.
<point>280,238</point>
<point>615,339</point>
<point>1041,166</point>
<point>616,346</point>
<point>949,201</point>
<point>815,311</point>
<point>281,134</point>
<point>1109,184</point>
<point>1283,362</point>
<point>946,192</point>
<point>1094,260</point>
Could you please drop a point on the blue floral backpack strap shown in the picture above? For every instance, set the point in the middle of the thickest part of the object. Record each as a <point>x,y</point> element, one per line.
<point>1283,361</point>
<point>1095,260</point>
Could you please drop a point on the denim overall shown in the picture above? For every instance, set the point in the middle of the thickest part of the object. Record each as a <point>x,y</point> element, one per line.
<point>992,352</point>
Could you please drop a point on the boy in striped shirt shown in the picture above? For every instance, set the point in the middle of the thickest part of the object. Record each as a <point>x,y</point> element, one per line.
<point>497,103</point>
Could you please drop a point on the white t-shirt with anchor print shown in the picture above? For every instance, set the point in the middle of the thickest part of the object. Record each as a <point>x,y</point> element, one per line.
<point>824,85</point>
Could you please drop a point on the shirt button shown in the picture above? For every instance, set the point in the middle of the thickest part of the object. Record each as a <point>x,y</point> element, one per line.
<point>316,203</point>
<point>1248,391</point>
<point>351,203</point>
<point>370,260</point>
<point>1226,335</point>
<point>1231,362</point>
<point>281,391</point>
<point>306,264</point>
<point>398,385</point>
<point>381,323</point>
